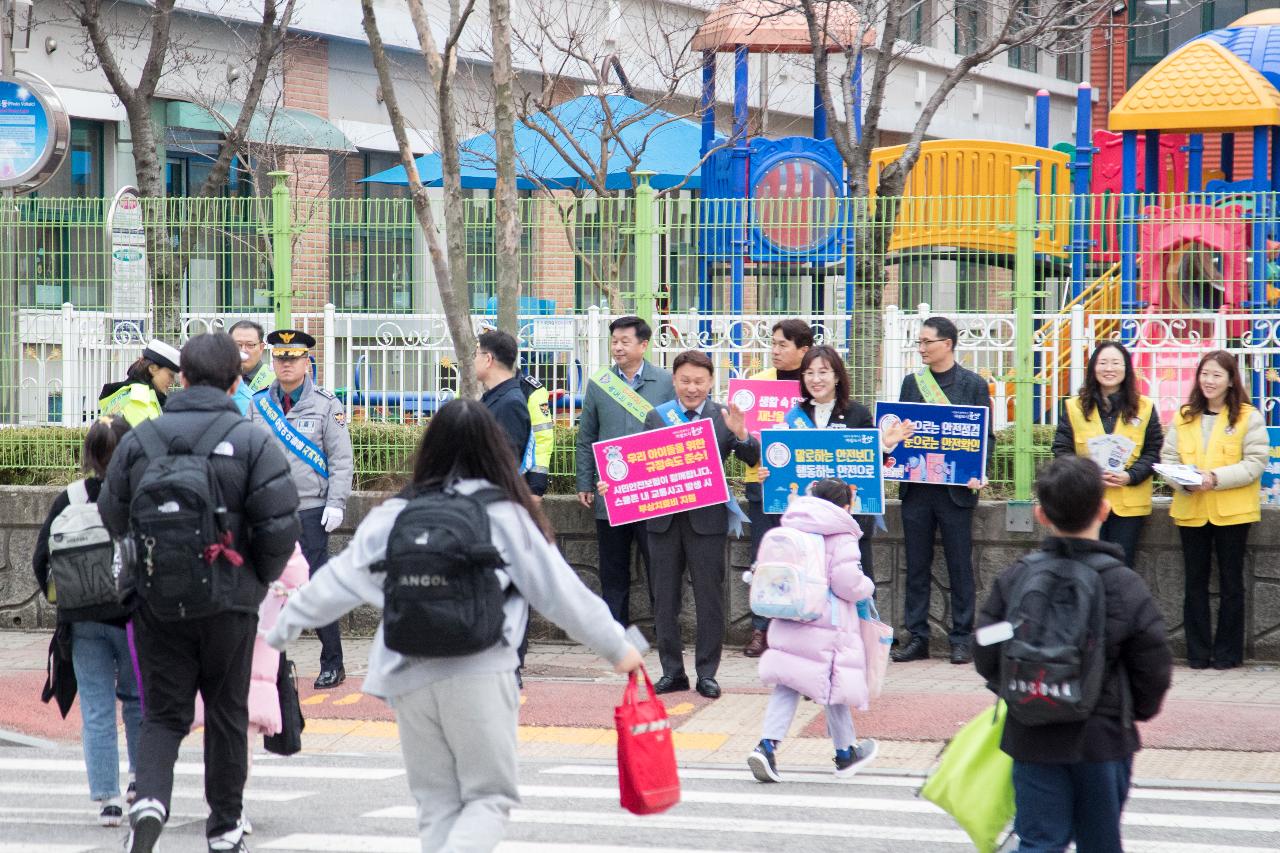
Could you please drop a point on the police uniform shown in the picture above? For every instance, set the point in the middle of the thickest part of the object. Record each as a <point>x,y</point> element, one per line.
<point>542,435</point>
<point>137,401</point>
<point>311,425</point>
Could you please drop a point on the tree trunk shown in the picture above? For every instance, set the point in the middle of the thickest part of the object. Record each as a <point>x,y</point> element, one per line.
<point>506,203</point>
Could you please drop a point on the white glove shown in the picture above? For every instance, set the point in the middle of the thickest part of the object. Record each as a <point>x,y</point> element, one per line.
<point>331,519</point>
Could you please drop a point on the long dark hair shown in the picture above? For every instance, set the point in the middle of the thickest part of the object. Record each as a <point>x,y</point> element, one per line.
<point>1197,404</point>
<point>836,363</point>
<point>464,441</point>
<point>1091,396</point>
<point>100,444</point>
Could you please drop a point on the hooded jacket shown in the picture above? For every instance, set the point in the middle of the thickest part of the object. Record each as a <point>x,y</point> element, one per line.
<point>824,659</point>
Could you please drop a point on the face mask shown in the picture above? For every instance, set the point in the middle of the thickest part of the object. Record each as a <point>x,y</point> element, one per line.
<point>244,356</point>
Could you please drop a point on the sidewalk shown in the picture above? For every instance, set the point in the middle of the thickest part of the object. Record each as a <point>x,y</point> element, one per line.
<point>1216,727</point>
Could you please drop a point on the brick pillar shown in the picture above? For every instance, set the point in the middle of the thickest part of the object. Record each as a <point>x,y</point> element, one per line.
<point>306,86</point>
<point>552,276</point>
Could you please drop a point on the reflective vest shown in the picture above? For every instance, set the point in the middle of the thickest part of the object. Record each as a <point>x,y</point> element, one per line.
<point>1124,500</point>
<point>1241,505</point>
<point>752,474</point>
<point>135,402</point>
<point>542,432</point>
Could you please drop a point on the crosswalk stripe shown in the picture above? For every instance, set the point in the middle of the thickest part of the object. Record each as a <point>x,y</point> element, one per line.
<point>1209,822</point>
<point>35,788</point>
<point>314,843</point>
<point>186,768</point>
<point>6,847</point>
<point>1132,846</point>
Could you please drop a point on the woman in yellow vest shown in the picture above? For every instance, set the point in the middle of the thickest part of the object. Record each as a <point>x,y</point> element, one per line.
<point>1225,439</point>
<point>142,394</point>
<point>1109,404</point>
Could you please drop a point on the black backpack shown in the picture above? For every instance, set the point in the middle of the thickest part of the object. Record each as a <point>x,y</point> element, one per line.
<point>178,522</point>
<point>1052,670</point>
<point>442,594</point>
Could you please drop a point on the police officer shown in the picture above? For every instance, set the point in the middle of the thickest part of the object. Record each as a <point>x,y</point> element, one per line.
<point>141,396</point>
<point>255,375</point>
<point>542,433</point>
<point>311,424</point>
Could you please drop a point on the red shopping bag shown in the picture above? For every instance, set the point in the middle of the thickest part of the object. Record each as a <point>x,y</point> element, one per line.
<point>647,778</point>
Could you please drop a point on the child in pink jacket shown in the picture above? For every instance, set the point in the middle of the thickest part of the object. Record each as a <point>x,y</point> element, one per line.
<point>822,659</point>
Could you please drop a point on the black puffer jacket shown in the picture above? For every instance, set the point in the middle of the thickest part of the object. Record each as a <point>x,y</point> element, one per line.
<point>259,494</point>
<point>1135,638</point>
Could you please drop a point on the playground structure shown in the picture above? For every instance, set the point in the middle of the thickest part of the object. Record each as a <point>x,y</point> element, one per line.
<point>1125,237</point>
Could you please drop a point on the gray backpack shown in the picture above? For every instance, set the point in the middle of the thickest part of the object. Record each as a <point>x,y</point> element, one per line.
<point>81,571</point>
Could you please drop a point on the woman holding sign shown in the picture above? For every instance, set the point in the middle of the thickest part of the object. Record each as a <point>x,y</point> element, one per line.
<point>1115,426</point>
<point>1224,439</point>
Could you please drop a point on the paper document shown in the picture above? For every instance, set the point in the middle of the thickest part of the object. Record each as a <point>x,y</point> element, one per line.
<point>1182,475</point>
<point>1111,452</point>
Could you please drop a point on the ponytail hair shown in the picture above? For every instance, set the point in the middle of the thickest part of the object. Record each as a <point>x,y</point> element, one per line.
<point>101,442</point>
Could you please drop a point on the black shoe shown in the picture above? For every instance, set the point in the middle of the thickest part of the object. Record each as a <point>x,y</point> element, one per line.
<point>145,825</point>
<point>917,649</point>
<point>1225,664</point>
<point>330,678</point>
<point>762,762</point>
<point>709,688</point>
<point>961,653</point>
<point>671,684</point>
<point>1198,664</point>
<point>849,761</point>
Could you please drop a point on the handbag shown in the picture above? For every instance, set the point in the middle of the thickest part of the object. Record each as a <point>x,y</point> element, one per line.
<point>877,642</point>
<point>973,781</point>
<point>647,777</point>
<point>289,740</point>
<point>60,673</point>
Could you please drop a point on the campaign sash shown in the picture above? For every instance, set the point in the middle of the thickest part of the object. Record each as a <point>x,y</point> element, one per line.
<point>261,379</point>
<point>797,419</point>
<point>296,443</point>
<point>930,390</point>
<point>623,394</point>
<point>673,413</point>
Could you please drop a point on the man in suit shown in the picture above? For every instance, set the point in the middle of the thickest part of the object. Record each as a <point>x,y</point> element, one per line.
<point>694,539</point>
<point>618,400</point>
<point>928,508</point>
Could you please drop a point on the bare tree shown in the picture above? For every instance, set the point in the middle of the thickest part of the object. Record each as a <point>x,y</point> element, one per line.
<point>506,201</point>
<point>449,261</point>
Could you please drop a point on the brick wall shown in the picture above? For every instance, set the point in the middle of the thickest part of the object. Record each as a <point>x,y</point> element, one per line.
<point>552,274</point>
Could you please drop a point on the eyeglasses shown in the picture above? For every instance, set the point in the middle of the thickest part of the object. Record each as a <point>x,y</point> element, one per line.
<point>924,342</point>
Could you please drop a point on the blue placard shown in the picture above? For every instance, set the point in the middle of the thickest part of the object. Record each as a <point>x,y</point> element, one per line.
<point>797,458</point>
<point>949,446</point>
<point>1271,473</point>
<point>25,132</point>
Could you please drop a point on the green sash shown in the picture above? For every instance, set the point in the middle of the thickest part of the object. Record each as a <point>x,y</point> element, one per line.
<point>261,379</point>
<point>622,393</point>
<point>930,390</point>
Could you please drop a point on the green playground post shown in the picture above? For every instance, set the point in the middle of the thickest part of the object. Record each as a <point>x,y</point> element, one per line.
<point>645,230</point>
<point>281,232</point>
<point>1024,297</point>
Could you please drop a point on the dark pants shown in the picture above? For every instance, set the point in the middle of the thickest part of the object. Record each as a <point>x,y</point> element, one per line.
<point>761,523</point>
<point>1124,531</point>
<point>925,510</point>
<point>671,553</point>
<point>614,544</point>
<point>214,656</point>
<point>1057,803</point>
<point>315,547</point>
<point>1198,546</point>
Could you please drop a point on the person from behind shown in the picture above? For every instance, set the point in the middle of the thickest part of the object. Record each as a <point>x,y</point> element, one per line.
<point>467,518</point>
<point>73,565</point>
<point>1219,434</point>
<point>207,501</point>
<point>823,659</point>
<point>255,374</point>
<point>1071,778</point>
<point>145,388</point>
<point>1109,404</point>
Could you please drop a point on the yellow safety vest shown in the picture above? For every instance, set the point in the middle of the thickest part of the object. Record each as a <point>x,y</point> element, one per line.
<point>1241,505</point>
<point>752,474</point>
<point>542,429</point>
<point>1125,500</point>
<point>134,402</point>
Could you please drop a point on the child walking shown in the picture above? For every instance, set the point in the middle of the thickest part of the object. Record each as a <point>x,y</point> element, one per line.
<point>822,659</point>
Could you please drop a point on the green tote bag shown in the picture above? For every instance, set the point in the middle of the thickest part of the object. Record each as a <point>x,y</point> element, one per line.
<point>973,781</point>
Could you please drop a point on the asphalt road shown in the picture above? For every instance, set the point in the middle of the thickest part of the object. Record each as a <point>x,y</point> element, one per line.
<point>349,802</point>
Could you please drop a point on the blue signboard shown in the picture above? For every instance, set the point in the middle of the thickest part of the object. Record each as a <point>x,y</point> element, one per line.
<point>949,446</point>
<point>1271,473</point>
<point>797,458</point>
<point>25,131</point>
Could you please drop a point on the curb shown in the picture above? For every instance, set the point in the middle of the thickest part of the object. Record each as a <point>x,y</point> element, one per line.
<point>12,738</point>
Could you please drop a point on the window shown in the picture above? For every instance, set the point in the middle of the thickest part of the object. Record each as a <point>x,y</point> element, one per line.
<point>971,25</point>
<point>80,175</point>
<point>371,228</point>
<point>1158,26</point>
<point>1070,63</point>
<point>916,23</point>
<point>1022,56</point>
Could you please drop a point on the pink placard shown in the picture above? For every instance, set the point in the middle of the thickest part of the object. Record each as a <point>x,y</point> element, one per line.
<point>765,402</point>
<point>660,472</point>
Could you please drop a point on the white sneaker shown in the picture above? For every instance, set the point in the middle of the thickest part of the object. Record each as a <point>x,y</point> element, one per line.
<point>146,822</point>
<point>245,826</point>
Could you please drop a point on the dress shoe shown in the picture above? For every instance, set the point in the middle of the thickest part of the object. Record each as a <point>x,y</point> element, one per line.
<point>709,688</point>
<point>1198,664</point>
<point>330,678</point>
<point>961,653</point>
<point>1225,664</point>
<point>917,649</point>
<point>755,648</point>
<point>671,684</point>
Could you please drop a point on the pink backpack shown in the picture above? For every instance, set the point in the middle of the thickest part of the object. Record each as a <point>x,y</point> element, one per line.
<point>789,578</point>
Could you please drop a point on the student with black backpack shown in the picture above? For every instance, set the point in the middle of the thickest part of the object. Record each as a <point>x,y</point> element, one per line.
<point>1073,642</point>
<point>454,561</point>
<point>206,500</point>
<point>73,563</point>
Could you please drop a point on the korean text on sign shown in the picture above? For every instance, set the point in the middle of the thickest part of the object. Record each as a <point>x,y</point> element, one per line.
<point>660,472</point>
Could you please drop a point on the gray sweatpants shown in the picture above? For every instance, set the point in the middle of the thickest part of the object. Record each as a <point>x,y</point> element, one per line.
<point>458,737</point>
<point>782,710</point>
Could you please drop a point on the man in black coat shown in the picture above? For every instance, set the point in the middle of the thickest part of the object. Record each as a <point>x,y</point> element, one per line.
<point>1071,779</point>
<point>927,508</point>
<point>496,370</point>
<point>212,654</point>
<point>694,539</point>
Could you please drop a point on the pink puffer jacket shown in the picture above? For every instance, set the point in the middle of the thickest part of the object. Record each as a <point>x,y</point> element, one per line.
<point>823,659</point>
<point>264,701</point>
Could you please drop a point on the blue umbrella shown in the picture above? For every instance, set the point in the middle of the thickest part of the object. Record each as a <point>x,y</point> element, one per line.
<point>666,145</point>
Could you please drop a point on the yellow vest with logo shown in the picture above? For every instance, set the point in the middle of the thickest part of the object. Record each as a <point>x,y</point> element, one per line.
<point>1125,500</point>
<point>752,474</point>
<point>1241,505</point>
<point>134,402</point>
